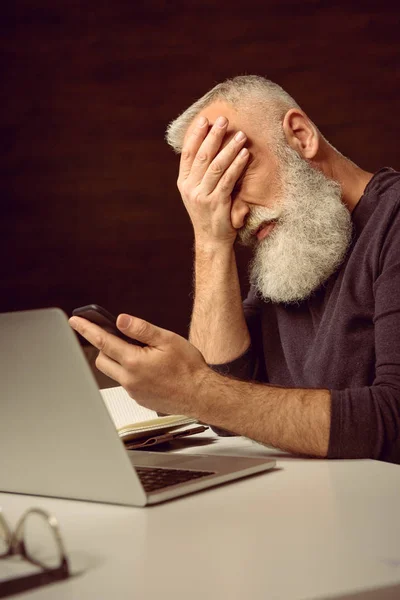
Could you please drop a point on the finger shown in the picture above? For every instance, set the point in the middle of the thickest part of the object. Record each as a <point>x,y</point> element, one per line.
<point>192,143</point>
<point>110,367</point>
<point>106,342</point>
<point>229,179</point>
<point>208,150</point>
<point>221,163</point>
<point>145,332</point>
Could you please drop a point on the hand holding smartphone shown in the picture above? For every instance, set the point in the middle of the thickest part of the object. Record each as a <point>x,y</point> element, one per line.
<point>100,316</point>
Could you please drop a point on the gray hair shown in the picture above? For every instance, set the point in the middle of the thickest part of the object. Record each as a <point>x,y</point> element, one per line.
<point>249,92</point>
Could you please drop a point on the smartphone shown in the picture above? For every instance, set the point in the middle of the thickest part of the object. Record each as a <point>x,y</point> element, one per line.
<point>100,316</point>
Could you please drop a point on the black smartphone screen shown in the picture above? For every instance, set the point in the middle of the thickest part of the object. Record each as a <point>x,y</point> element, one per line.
<point>100,316</point>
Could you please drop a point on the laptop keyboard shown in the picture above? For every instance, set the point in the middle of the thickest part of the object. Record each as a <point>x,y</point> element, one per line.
<point>155,478</point>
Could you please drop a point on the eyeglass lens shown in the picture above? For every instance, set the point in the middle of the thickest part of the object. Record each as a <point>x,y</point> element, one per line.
<point>5,535</point>
<point>40,540</point>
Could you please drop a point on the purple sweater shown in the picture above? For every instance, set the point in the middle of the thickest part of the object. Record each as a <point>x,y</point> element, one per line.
<point>346,336</point>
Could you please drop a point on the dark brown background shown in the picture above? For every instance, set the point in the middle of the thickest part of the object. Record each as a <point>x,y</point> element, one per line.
<point>90,211</point>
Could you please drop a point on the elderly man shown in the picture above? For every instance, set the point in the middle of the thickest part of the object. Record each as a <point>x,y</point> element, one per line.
<point>310,362</point>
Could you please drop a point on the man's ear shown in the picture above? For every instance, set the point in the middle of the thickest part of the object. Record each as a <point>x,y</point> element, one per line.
<point>301,133</point>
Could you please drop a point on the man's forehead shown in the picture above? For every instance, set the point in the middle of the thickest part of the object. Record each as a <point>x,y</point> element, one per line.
<point>223,109</point>
<point>238,120</point>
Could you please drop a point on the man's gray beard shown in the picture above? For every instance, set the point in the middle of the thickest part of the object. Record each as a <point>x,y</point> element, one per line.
<point>310,239</point>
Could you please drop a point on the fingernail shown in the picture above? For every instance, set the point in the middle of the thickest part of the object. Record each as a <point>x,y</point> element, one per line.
<point>73,322</point>
<point>124,321</point>
<point>221,122</point>
<point>240,136</point>
<point>201,121</point>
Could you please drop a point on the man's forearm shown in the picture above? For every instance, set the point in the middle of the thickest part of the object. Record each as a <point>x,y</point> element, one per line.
<point>296,420</point>
<point>218,327</point>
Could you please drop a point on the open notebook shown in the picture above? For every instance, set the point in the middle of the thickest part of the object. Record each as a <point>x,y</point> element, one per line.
<point>138,426</point>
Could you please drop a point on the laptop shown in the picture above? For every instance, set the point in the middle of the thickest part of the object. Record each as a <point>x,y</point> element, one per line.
<point>57,438</point>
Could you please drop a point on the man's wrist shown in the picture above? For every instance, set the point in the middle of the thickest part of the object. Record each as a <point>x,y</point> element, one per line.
<point>210,249</point>
<point>207,393</point>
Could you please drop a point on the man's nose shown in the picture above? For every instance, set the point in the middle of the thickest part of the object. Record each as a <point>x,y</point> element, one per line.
<point>239,212</point>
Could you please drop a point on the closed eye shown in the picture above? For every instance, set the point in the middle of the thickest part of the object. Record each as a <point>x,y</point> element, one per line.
<point>239,182</point>
<point>237,187</point>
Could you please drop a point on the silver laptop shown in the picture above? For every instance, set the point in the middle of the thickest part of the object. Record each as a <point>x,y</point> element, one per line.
<point>57,438</point>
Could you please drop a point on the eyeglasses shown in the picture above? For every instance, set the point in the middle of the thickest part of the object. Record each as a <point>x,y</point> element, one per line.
<point>37,539</point>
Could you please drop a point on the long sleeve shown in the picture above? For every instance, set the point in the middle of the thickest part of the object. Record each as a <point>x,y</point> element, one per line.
<point>365,421</point>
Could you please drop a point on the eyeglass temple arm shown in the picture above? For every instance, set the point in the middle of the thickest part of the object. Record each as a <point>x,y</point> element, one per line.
<point>21,584</point>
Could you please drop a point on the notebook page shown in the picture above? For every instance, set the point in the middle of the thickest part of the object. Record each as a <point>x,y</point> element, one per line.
<point>123,409</point>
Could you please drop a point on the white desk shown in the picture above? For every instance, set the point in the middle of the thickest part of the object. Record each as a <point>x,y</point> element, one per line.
<point>312,529</point>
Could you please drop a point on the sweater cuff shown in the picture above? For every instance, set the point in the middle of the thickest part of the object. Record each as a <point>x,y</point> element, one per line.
<point>335,445</point>
<point>244,367</point>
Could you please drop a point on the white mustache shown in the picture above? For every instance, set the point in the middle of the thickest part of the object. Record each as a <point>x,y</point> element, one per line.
<point>258,216</point>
